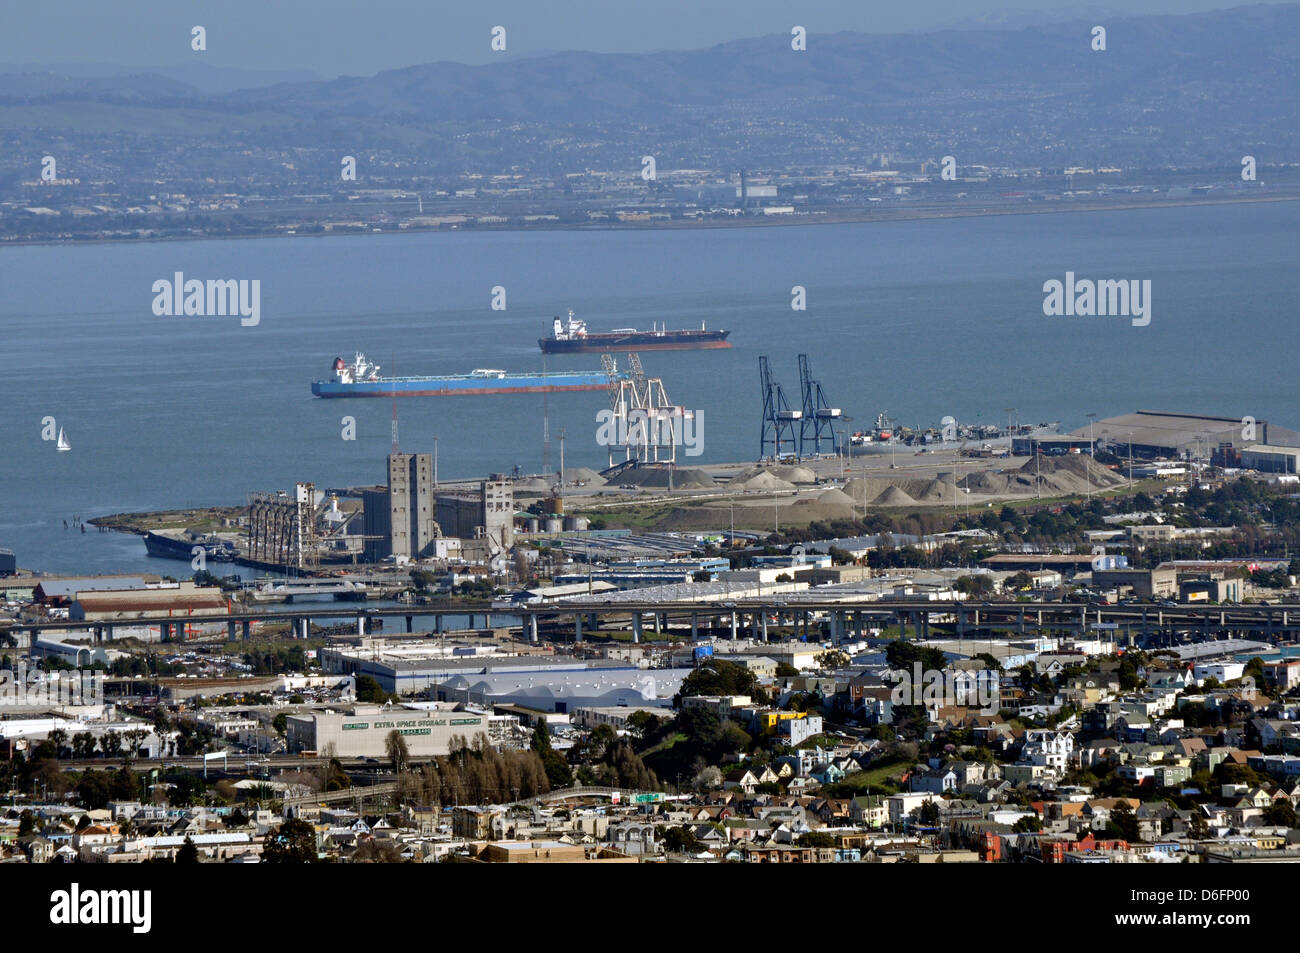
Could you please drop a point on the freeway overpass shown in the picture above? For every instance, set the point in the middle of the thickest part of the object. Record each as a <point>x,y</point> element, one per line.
<point>813,614</point>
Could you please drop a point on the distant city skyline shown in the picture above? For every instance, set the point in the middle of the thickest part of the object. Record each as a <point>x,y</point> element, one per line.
<point>343,38</point>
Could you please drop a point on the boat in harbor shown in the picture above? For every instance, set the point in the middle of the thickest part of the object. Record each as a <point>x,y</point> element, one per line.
<point>362,379</point>
<point>572,337</point>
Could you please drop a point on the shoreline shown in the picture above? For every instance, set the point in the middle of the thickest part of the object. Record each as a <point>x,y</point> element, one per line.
<point>866,216</point>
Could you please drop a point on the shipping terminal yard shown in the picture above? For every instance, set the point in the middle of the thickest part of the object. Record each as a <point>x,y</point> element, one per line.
<point>325,654</point>
<point>290,646</point>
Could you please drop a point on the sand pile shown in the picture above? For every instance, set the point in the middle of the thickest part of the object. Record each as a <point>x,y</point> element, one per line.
<point>583,475</point>
<point>532,485</point>
<point>835,497</point>
<point>1072,473</point>
<point>893,496</point>
<point>761,481</point>
<point>793,474</point>
<point>934,491</point>
<point>784,472</point>
<point>865,489</point>
<point>658,478</point>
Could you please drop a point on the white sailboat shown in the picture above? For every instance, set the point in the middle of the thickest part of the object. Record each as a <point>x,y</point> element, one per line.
<point>63,441</point>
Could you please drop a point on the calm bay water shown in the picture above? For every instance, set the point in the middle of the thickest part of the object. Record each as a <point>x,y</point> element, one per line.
<point>921,319</point>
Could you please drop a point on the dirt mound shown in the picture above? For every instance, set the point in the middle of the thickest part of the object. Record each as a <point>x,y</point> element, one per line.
<point>534,485</point>
<point>893,496</point>
<point>784,472</point>
<point>934,491</point>
<point>1072,473</point>
<point>793,474</point>
<point>659,477</point>
<point>763,481</point>
<point>583,475</point>
<point>866,489</point>
<point>835,497</point>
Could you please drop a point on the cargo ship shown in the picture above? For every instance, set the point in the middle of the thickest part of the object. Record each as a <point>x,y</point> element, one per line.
<point>361,379</point>
<point>572,337</point>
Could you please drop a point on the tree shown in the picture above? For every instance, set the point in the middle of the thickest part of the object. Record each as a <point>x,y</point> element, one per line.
<point>83,746</point>
<point>26,823</point>
<point>369,690</point>
<point>977,586</point>
<point>1124,821</point>
<point>680,840</point>
<point>94,788</point>
<point>188,853</point>
<point>293,842</point>
<point>281,723</point>
<point>708,778</point>
<point>831,660</point>
<point>816,839</point>
<point>557,769</point>
<point>398,753</point>
<point>1281,814</point>
<point>58,737</point>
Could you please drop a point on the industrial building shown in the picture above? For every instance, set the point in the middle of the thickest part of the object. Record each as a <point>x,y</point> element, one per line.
<point>566,690</point>
<point>1152,434</point>
<point>1270,459</point>
<point>399,520</point>
<point>362,732</point>
<point>414,668</point>
<point>1158,583</point>
<point>490,513</point>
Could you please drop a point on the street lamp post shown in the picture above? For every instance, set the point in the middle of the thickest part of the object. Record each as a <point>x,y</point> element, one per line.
<point>1092,453</point>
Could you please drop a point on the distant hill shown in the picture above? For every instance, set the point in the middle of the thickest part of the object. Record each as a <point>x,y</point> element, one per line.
<point>1203,87</point>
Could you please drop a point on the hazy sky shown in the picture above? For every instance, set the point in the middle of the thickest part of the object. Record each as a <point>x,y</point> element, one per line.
<point>365,36</point>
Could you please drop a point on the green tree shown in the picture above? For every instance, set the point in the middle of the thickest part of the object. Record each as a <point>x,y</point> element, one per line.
<point>398,753</point>
<point>187,853</point>
<point>1124,821</point>
<point>293,842</point>
<point>681,840</point>
<point>815,839</point>
<point>1281,814</point>
<point>369,690</point>
<point>94,789</point>
<point>557,769</point>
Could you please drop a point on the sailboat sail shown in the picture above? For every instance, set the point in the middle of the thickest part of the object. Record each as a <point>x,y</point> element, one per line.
<point>63,441</point>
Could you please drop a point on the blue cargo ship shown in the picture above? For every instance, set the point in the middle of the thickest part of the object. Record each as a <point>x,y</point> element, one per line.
<point>361,379</point>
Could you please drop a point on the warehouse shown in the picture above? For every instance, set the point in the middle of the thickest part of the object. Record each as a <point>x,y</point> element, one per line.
<point>1152,434</point>
<point>411,670</point>
<point>362,732</point>
<point>565,692</point>
<point>1268,459</point>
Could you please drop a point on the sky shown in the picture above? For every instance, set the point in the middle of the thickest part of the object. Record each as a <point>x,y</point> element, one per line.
<point>362,37</point>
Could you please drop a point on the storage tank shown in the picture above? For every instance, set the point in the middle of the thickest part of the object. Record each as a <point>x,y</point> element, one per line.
<point>575,524</point>
<point>554,525</point>
<point>532,525</point>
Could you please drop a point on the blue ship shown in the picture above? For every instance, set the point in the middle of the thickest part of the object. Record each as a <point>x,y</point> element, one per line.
<point>361,379</point>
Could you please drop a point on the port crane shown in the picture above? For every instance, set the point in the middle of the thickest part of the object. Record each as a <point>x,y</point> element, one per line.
<point>778,418</point>
<point>645,420</point>
<point>819,417</point>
